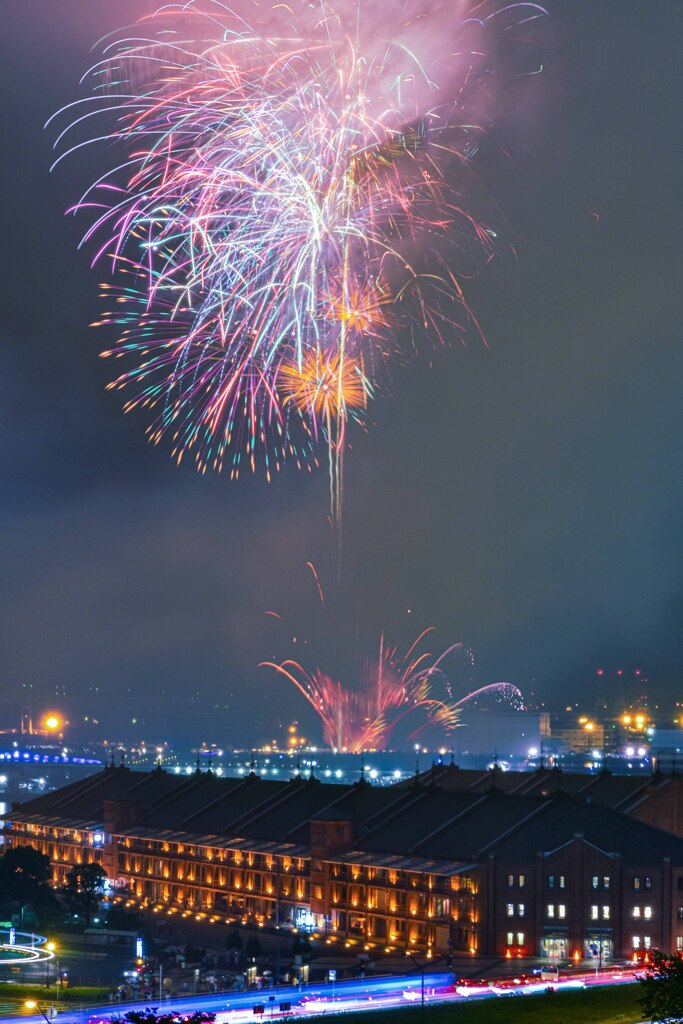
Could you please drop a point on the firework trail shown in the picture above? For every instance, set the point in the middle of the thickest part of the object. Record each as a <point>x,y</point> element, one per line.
<point>285,216</point>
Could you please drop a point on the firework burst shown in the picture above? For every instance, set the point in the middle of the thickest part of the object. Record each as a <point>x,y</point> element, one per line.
<point>284,219</point>
<point>392,686</point>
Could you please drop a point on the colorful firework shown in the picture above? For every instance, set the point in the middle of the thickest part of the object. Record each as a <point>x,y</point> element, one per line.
<point>286,215</point>
<point>392,686</point>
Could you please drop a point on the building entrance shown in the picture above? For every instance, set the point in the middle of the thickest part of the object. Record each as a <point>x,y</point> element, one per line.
<point>554,947</point>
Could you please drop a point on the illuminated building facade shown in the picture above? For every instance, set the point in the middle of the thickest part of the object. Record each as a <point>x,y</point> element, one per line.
<point>425,867</point>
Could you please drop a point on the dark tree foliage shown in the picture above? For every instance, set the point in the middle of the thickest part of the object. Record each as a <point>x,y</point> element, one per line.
<point>233,940</point>
<point>24,877</point>
<point>150,1015</point>
<point>119,918</point>
<point>253,947</point>
<point>84,889</point>
<point>662,988</point>
<point>301,945</point>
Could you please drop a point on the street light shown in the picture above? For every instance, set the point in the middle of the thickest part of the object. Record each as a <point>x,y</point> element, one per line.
<point>50,947</point>
<point>31,1004</point>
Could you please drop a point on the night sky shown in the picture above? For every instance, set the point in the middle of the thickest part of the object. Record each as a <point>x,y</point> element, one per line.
<point>524,498</point>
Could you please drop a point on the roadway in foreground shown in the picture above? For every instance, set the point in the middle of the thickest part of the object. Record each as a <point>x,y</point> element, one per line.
<point>332,998</point>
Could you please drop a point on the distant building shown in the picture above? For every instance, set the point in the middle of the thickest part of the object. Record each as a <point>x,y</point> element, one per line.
<point>494,863</point>
<point>502,734</point>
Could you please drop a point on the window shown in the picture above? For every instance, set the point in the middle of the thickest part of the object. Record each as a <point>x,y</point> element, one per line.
<point>520,939</point>
<point>521,881</point>
<point>594,912</point>
<point>561,910</point>
<point>679,943</point>
<point>520,910</point>
<point>510,910</point>
<point>647,913</point>
<point>605,912</point>
<point>606,882</point>
<point>551,910</point>
<point>510,938</point>
<point>680,883</point>
<point>562,881</point>
<point>595,882</point>
<point>636,911</point>
<point>551,881</point>
<point>636,884</point>
<point>647,942</point>
<point>636,941</point>
<point>647,883</point>
<point>511,881</point>
<point>680,913</point>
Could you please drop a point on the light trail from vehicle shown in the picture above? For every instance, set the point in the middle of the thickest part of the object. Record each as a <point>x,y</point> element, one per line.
<point>361,995</point>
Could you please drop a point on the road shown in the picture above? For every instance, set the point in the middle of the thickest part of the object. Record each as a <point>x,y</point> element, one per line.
<point>348,996</point>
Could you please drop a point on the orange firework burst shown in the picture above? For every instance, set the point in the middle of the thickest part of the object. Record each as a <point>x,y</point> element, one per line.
<point>327,387</point>
<point>362,310</point>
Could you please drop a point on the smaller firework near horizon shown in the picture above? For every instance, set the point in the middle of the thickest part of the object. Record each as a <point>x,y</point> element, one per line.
<point>394,687</point>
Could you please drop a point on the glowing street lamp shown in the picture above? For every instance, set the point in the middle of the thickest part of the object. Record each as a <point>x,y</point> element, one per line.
<point>32,1004</point>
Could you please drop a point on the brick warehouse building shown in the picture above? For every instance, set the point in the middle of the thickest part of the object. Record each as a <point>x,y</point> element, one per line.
<point>415,867</point>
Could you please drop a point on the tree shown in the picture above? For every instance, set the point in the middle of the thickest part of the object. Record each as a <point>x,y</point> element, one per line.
<point>233,940</point>
<point>122,920</point>
<point>253,947</point>
<point>301,945</point>
<point>24,877</point>
<point>84,889</point>
<point>662,988</point>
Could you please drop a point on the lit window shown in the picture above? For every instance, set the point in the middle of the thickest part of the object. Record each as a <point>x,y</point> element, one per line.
<point>521,881</point>
<point>510,910</point>
<point>562,881</point>
<point>510,938</point>
<point>679,943</point>
<point>605,913</point>
<point>636,911</point>
<point>636,884</point>
<point>520,939</point>
<point>520,910</point>
<point>680,913</point>
<point>595,881</point>
<point>636,941</point>
<point>594,912</point>
<point>647,942</point>
<point>561,910</point>
<point>647,913</point>
<point>551,910</point>
<point>647,883</point>
<point>511,881</point>
<point>551,881</point>
<point>606,882</point>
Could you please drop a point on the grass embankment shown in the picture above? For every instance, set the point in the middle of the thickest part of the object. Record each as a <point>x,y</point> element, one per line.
<point>613,1005</point>
<point>78,994</point>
